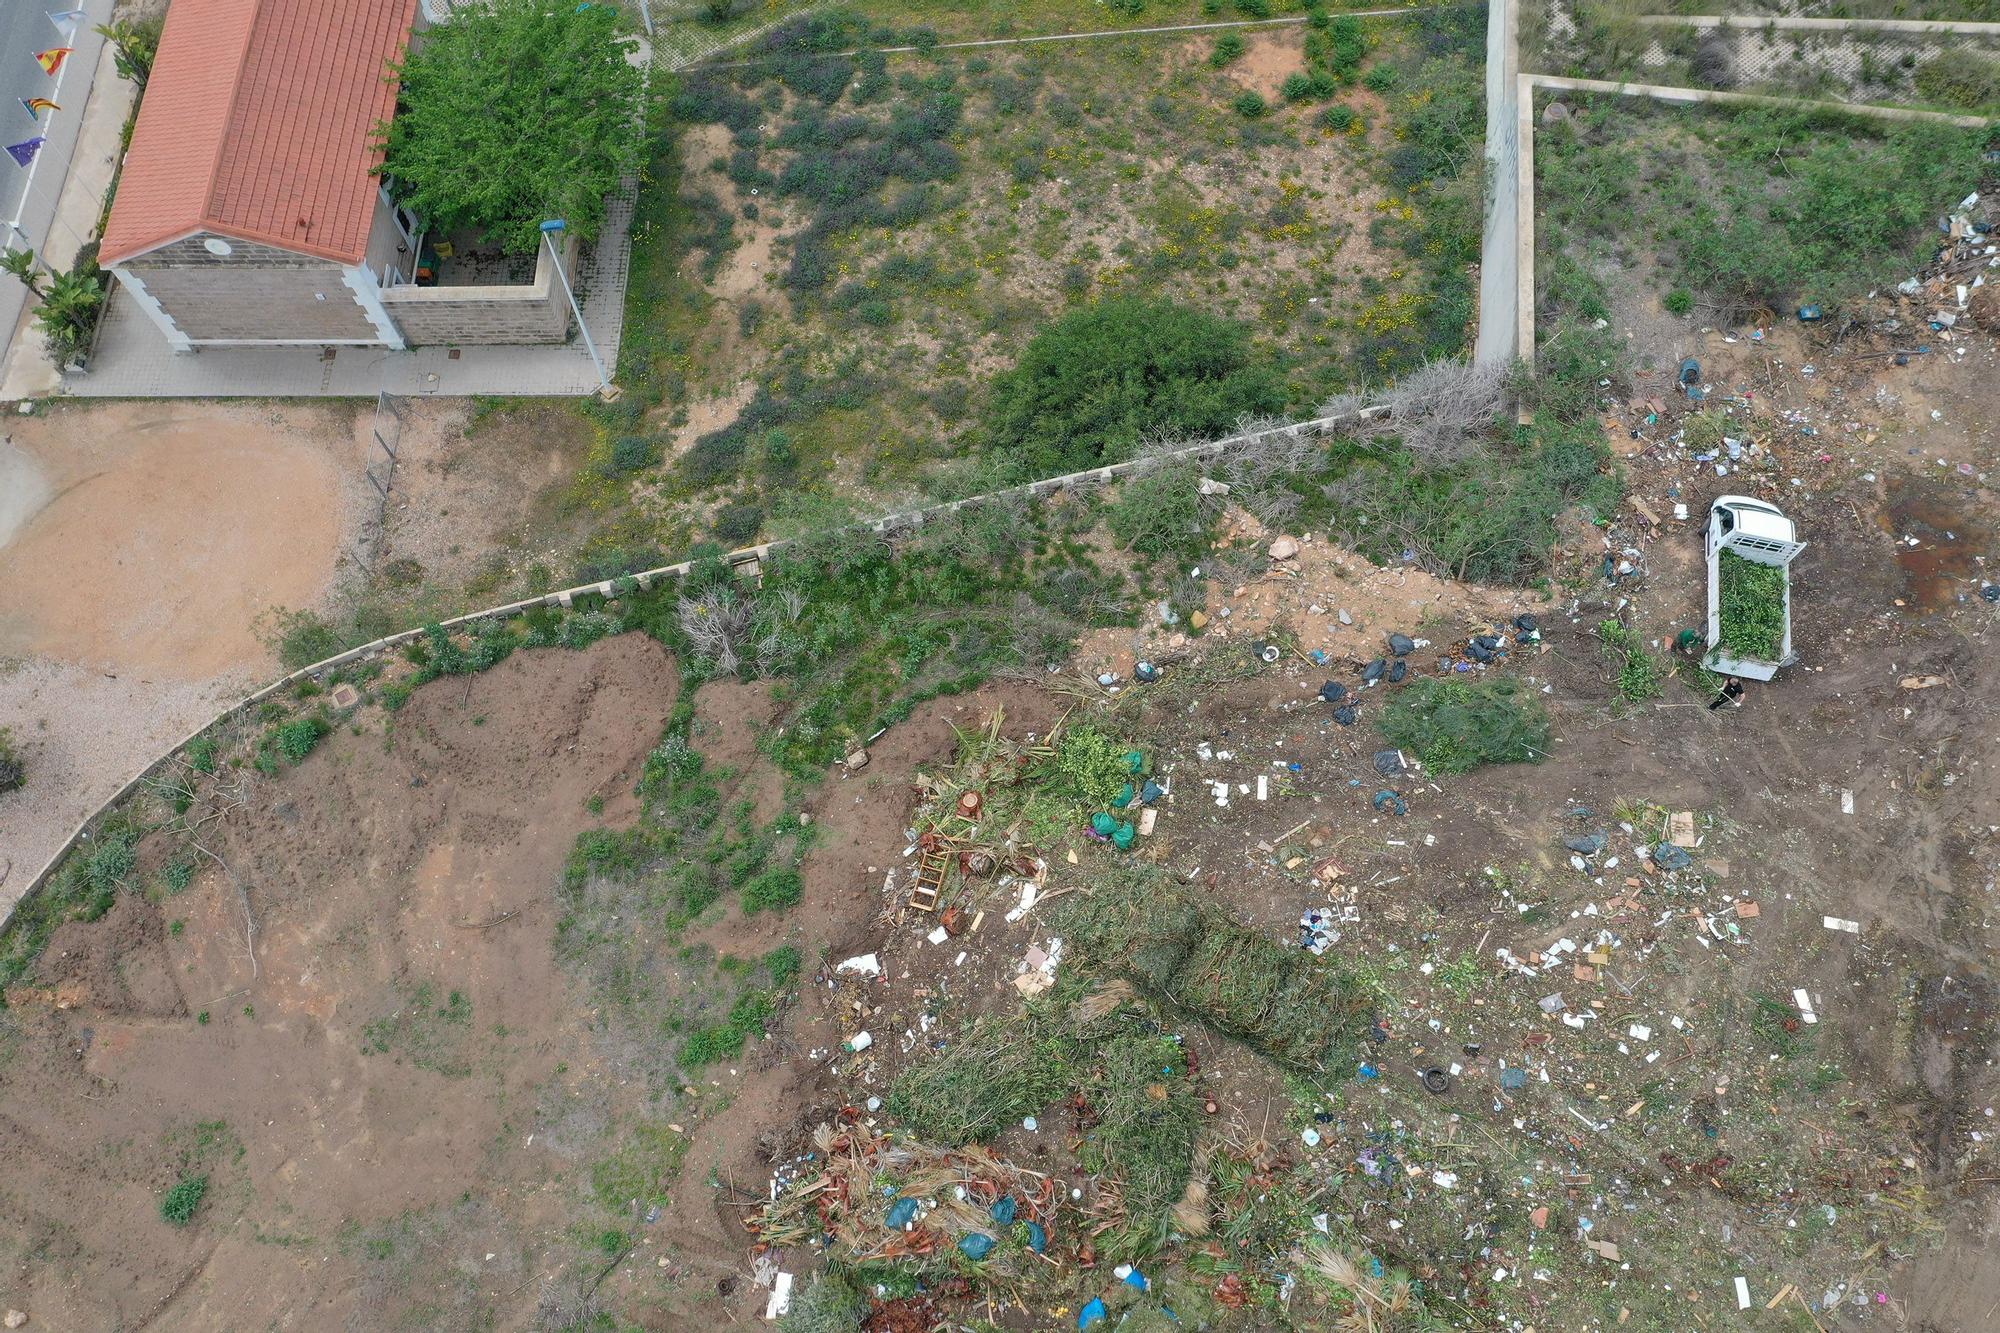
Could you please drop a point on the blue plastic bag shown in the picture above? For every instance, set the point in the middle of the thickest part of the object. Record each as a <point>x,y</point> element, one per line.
<point>901,1214</point>
<point>975,1245</point>
<point>1093,1313</point>
<point>1003,1211</point>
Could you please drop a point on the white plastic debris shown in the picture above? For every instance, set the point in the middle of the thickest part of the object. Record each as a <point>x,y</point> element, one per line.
<point>1841,923</point>
<point>863,964</point>
<point>1805,1004</point>
<point>1742,1294</point>
<point>1846,802</point>
<point>781,1297</point>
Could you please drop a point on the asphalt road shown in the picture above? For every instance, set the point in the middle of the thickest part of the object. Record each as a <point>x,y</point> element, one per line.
<point>28,195</point>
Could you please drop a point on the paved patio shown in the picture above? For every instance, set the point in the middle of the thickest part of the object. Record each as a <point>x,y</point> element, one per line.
<point>132,359</point>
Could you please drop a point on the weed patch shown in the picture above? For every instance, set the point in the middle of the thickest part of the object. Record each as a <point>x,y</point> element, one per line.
<point>1454,725</point>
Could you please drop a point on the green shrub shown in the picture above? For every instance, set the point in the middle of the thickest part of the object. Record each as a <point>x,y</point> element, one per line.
<point>67,313</point>
<point>1090,385</point>
<point>12,771</point>
<point>1228,47</point>
<point>1250,105</point>
<point>1256,9</point>
<point>782,963</point>
<point>829,1303</point>
<point>1960,78</point>
<point>300,638</point>
<point>1751,604</point>
<point>772,890</point>
<point>1381,78</point>
<point>1145,1136</point>
<point>1679,301</point>
<point>1455,725</point>
<point>1298,87</point>
<point>997,1072</point>
<point>177,1205</point>
<point>295,739</point>
<point>1339,119</point>
<point>737,524</point>
<point>109,862</point>
<point>629,453</point>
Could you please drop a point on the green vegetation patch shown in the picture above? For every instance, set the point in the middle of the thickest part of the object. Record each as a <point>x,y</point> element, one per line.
<point>1455,725</point>
<point>1091,384</point>
<point>178,1204</point>
<point>1181,949</point>
<point>1751,603</point>
<point>996,1072</point>
<point>427,1033</point>
<point>1746,208</point>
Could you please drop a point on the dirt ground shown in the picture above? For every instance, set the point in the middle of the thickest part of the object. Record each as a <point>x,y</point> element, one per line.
<point>143,544</point>
<point>403,1101</point>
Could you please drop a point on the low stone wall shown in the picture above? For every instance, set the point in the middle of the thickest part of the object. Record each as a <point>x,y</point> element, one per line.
<point>746,561</point>
<point>486,316</point>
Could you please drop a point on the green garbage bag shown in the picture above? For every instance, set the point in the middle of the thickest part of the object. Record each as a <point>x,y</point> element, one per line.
<point>1135,762</point>
<point>1123,798</point>
<point>1103,825</point>
<point>1122,837</point>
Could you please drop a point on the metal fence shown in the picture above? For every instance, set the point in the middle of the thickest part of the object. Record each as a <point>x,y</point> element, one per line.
<point>385,444</point>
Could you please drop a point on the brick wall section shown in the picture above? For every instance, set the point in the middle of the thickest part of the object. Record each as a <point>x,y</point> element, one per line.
<point>190,251</point>
<point>486,316</point>
<point>478,316</point>
<point>256,301</point>
<point>261,292</point>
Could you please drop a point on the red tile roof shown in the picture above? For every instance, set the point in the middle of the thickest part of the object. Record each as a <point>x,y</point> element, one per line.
<point>258,122</point>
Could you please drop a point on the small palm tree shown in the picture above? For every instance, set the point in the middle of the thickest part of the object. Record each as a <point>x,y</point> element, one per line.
<point>133,47</point>
<point>21,263</point>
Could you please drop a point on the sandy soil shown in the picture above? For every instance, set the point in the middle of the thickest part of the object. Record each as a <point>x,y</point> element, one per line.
<point>170,528</point>
<point>1267,59</point>
<point>139,545</point>
<point>367,868</point>
<point>466,490</point>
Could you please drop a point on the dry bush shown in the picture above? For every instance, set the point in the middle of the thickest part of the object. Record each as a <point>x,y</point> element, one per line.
<point>717,624</point>
<point>1442,412</point>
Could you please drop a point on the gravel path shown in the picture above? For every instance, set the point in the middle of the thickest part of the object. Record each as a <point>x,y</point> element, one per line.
<point>82,734</point>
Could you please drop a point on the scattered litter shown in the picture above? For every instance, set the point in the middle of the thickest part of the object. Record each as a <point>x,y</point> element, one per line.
<point>863,964</point>
<point>1841,923</point>
<point>1805,1004</point>
<point>781,1296</point>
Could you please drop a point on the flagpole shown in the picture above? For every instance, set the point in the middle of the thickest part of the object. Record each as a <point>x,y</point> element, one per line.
<point>34,164</point>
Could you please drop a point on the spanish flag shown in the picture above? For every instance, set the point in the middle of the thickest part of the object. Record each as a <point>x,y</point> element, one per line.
<point>37,105</point>
<point>51,59</point>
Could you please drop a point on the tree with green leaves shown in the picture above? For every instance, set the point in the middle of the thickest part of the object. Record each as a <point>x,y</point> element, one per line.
<point>133,46</point>
<point>21,263</point>
<point>512,112</point>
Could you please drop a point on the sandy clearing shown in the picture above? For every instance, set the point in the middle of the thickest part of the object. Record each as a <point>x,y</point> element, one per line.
<point>169,529</point>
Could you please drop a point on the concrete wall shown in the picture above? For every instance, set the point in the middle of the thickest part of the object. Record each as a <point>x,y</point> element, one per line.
<point>483,316</point>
